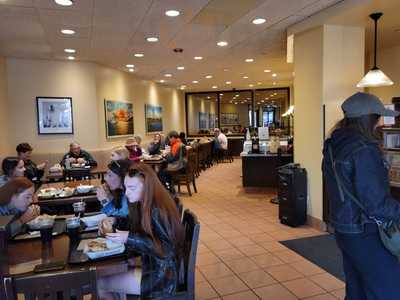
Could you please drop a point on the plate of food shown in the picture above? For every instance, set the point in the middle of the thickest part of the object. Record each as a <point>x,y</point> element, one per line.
<point>66,192</point>
<point>84,189</point>
<point>40,221</point>
<point>101,247</point>
<point>47,193</point>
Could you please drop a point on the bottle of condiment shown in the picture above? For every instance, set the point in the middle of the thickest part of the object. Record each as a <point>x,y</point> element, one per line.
<point>255,145</point>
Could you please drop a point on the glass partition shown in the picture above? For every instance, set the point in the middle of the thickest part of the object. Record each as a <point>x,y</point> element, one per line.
<point>270,105</point>
<point>201,113</point>
<point>235,111</point>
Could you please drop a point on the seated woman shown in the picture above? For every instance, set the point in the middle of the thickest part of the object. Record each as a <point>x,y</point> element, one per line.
<point>16,197</point>
<point>157,236</point>
<point>111,193</point>
<point>156,145</point>
<point>119,153</point>
<point>12,167</point>
<point>32,171</point>
<point>133,147</point>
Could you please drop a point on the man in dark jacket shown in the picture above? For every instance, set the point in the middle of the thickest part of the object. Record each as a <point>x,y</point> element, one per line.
<point>79,156</point>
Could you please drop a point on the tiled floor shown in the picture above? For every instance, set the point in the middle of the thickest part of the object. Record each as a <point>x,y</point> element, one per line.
<point>239,256</point>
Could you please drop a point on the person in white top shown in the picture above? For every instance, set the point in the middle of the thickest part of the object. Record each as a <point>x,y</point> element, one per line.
<point>221,141</point>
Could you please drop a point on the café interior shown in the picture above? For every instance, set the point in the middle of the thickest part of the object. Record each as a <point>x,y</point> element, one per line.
<point>243,89</point>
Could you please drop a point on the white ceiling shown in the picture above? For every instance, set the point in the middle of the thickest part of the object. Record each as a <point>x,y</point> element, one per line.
<point>109,32</point>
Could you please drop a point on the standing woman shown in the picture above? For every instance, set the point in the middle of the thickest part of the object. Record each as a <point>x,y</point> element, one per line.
<point>12,167</point>
<point>158,237</point>
<point>354,168</point>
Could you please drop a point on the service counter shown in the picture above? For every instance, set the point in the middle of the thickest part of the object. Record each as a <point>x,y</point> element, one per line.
<point>260,170</point>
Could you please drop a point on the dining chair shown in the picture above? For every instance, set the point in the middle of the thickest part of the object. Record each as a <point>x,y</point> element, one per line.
<point>186,289</point>
<point>188,177</point>
<point>52,286</point>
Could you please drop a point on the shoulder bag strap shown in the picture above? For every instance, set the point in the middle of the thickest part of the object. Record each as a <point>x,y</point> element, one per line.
<point>342,188</point>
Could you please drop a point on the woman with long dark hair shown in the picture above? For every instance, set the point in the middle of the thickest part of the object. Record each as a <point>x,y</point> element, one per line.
<point>357,183</point>
<point>156,233</point>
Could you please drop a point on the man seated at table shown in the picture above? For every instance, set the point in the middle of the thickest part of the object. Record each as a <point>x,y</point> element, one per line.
<point>32,171</point>
<point>78,156</point>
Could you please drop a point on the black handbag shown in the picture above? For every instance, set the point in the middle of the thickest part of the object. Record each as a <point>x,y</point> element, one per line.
<point>389,231</point>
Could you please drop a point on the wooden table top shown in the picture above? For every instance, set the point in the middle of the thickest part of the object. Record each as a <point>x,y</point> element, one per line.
<point>23,256</point>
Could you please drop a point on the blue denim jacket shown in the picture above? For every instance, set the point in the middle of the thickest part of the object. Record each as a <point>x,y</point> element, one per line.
<point>111,211</point>
<point>363,171</point>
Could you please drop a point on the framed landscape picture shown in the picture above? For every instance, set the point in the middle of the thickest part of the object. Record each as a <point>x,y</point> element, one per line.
<point>229,118</point>
<point>119,118</point>
<point>54,115</point>
<point>153,116</point>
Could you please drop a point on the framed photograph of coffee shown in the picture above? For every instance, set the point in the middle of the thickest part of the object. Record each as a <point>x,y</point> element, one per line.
<point>119,118</point>
<point>54,115</point>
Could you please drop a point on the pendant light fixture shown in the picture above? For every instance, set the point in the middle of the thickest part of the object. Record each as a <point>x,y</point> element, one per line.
<point>375,77</point>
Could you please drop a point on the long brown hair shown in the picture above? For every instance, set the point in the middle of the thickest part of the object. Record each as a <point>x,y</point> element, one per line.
<point>364,125</point>
<point>12,187</point>
<point>156,196</point>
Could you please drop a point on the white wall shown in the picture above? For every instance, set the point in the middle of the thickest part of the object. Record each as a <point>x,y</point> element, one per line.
<point>4,122</point>
<point>88,84</point>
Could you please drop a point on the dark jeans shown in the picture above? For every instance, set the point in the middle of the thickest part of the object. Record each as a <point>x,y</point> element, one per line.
<point>372,273</point>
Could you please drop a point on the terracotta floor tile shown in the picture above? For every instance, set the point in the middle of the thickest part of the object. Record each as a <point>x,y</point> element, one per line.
<point>327,282</point>
<point>207,258</point>
<point>272,246</point>
<point>252,250</point>
<point>283,273</point>
<point>228,285</point>
<point>241,241</point>
<point>242,265</point>
<point>322,297</point>
<point>266,260</point>
<point>307,268</point>
<point>220,244</point>
<point>229,254</point>
<point>257,278</point>
<point>275,292</point>
<point>339,294</point>
<point>216,271</point>
<point>259,238</point>
<point>199,277</point>
<point>303,288</point>
<point>242,296</point>
<point>288,256</point>
<point>205,291</point>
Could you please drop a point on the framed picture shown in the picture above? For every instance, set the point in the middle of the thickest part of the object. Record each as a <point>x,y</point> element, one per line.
<point>54,115</point>
<point>119,118</point>
<point>229,118</point>
<point>153,115</point>
<point>203,120</point>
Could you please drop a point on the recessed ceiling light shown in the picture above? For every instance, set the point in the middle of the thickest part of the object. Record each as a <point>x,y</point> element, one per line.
<point>71,57</point>
<point>131,70</point>
<point>236,103</point>
<point>195,81</point>
<point>209,76</point>
<point>237,95</point>
<point>168,75</point>
<point>245,77</point>
<point>214,87</point>
<point>172,13</point>
<point>267,71</point>
<point>64,2</point>
<point>130,66</point>
<point>67,31</point>
<point>259,21</point>
<point>221,94</point>
<point>69,50</point>
<point>228,82</point>
<point>181,68</point>
<point>274,75</point>
<point>162,80</point>
<point>222,43</point>
<point>251,85</point>
<point>249,60</point>
<point>208,97</point>
<point>139,54</point>
<point>152,39</point>
<point>198,57</point>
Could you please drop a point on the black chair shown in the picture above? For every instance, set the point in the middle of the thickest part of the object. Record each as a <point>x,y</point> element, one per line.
<point>186,291</point>
<point>188,177</point>
<point>53,286</point>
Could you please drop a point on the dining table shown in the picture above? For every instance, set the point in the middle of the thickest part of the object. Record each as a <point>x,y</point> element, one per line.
<point>96,172</point>
<point>21,257</point>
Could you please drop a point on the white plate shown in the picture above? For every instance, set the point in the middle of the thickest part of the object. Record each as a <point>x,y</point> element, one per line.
<point>93,220</point>
<point>113,249</point>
